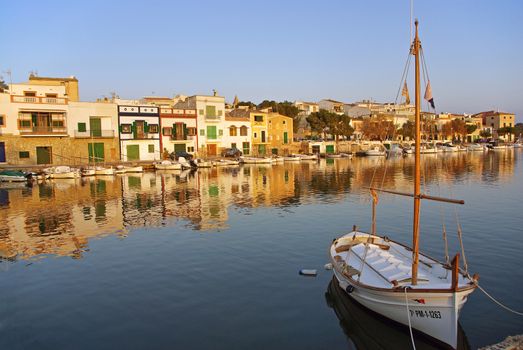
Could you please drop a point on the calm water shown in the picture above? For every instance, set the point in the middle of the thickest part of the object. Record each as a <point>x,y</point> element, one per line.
<point>210,259</point>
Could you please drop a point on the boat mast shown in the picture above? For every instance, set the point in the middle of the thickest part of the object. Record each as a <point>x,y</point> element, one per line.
<point>417,198</point>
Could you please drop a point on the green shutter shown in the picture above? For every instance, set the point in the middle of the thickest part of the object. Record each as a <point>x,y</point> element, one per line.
<point>184,131</point>
<point>82,127</point>
<point>133,129</point>
<point>145,127</point>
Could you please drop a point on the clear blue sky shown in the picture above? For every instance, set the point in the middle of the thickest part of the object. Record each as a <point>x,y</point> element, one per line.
<point>306,50</point>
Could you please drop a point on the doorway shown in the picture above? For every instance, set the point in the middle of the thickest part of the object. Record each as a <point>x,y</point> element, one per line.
<point>211,149</point>
<point>44,155</point>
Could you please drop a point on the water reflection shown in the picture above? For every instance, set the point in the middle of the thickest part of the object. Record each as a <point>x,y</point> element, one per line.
<point>59,217</point>
<point>365,330</point>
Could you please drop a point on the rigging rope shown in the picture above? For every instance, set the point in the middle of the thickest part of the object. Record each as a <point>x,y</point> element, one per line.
<point>408,317</point>
<point>403,77</point>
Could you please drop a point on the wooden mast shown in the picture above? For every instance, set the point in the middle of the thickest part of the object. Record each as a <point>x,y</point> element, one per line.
<point>417,197</point>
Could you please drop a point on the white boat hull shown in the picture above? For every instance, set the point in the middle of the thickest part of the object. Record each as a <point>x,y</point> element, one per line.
<point>7,178</point>
<point>254,160</point>
<point>372,152</point>
<point>168,166</point>
<point>88,172</point>
<point>437,318</point>
<point>66,175</point>
<point>104,172</point>
<point>291,159</point>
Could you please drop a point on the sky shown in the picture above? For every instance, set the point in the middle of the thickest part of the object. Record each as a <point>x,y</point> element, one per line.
<point>278,50</point>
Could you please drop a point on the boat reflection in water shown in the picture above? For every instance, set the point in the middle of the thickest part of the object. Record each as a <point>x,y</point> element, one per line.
<point>368,330</point>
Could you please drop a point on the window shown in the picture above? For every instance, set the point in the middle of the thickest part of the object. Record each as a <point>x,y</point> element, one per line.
<point>59,123</point>
<point>190,149</point>
<point>126,128</point>
<point>220,132</point>
<point>255,135</point>
<point>23,154</point>
<point>25,123</point>
<point>245,147</point>
<point>210,111</point>
<point>167,131</point>
<point>243,131</point>
<point>220,112</point>
<point>82,127</point>
<point>151,148</point>
<point>258,118</point>
<point>2,120</point>
<point>202,132</point>
<point>201,112</point>
<point>30,93</point>
<point>51,95</point>
<point>191,131</point>
<point>284,122</point>
<point>153,128</point>
<point>211,132</point>
<point>233,145</point>
<point>232,131</point>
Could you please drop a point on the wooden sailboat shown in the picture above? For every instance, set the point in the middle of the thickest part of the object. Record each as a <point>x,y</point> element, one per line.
<point>397,281</point>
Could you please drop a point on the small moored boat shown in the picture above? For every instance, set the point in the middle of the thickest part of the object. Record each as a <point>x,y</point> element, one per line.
<point>168,165</point>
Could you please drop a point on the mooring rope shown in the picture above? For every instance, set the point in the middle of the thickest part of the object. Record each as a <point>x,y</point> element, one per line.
<point>497,302</point>
<point>408,317</point>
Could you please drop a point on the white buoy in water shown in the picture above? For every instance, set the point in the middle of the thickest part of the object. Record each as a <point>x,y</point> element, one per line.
<point>308,272</point>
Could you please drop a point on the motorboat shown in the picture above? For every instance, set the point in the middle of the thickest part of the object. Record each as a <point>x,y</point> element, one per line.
<point>448,147</point>
<point>200,163</point>
<point>122,169</point>
<point>225,162</point>
<point>475,147</point>
<point>12,176</point>
<point>62,172</point>
<point>291,158</point>
<point>101,171</point>
<point>376,151</point>
<point>168,165</point>
<point>256,160</point>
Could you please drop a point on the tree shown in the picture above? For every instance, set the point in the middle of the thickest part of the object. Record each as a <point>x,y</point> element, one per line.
<point>285,108</point>
<point>246,103</point>
<point>446,130</point>
<point>428,127</point>
<point>518,130</point>
<point>485,133</point>
<point>506,131</point>
<point>407,130</point>
<point>319,121</point>
<point>378,128</point>
<point>471,128</point>
<point>339,125</point>
<point>3,85</point>
<point>459,129</point>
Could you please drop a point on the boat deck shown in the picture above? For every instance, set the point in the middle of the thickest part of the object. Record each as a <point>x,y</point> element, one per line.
<point>380,263</point>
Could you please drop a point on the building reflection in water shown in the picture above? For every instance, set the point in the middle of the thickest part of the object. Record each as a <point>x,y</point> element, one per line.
<point>59,217</point>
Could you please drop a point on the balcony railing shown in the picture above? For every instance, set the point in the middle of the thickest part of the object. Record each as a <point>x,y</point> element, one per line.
<point>39,100</point>
<point>43,130</point>
<point>182,138</point>
<point>93,134</point>
<point>213,117</point>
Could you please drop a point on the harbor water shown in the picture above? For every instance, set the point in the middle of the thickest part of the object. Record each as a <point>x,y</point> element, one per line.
<point>211,259</point>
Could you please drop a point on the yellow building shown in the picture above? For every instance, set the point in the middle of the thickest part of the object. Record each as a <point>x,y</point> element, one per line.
<point>259,132</point>
<point>70,84</point>
<point>495,120</point>
<point>280,129</point>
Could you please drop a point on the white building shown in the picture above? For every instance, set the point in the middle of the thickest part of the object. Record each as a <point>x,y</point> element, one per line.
<point>237,133</point>
<point>179,130</point>
<point>139,132</point>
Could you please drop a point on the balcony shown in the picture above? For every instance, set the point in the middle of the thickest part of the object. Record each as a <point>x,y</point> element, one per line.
<point>213,118</point>
<point>181,138</point>
<point>43,131</point>
<point>39,100</point>
<point>93,134</point>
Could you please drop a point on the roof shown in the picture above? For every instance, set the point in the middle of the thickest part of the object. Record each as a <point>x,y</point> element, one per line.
<point>34,77</point>
<point>333,101</point>
<point>238,114</point>
<point>490,113</point>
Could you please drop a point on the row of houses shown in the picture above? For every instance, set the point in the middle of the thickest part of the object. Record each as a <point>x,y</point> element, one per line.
<point>491,122</point>
<point>43,121</point>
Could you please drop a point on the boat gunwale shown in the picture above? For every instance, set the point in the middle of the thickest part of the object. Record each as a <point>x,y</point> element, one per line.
<point>400,289</point>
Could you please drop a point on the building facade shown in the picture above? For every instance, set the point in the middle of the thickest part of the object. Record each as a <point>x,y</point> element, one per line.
<point>179,130</point>
<point>260,132</point>
<point>280,129</point>
<point>139,132</point>
<point>237,133</point>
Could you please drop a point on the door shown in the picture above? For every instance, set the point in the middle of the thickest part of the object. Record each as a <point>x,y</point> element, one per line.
<point>261,149</point>
<point>43,155</point>
<point>179,147</point>
<point>263,136</point>
<point>285,137</point>
<point>329,149</point>
<point>2,152</point>
<point>316,149</point>
<point>95,125</point>
<point>211,149</point>
<point>133,152</point>
<point>96,152</point>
